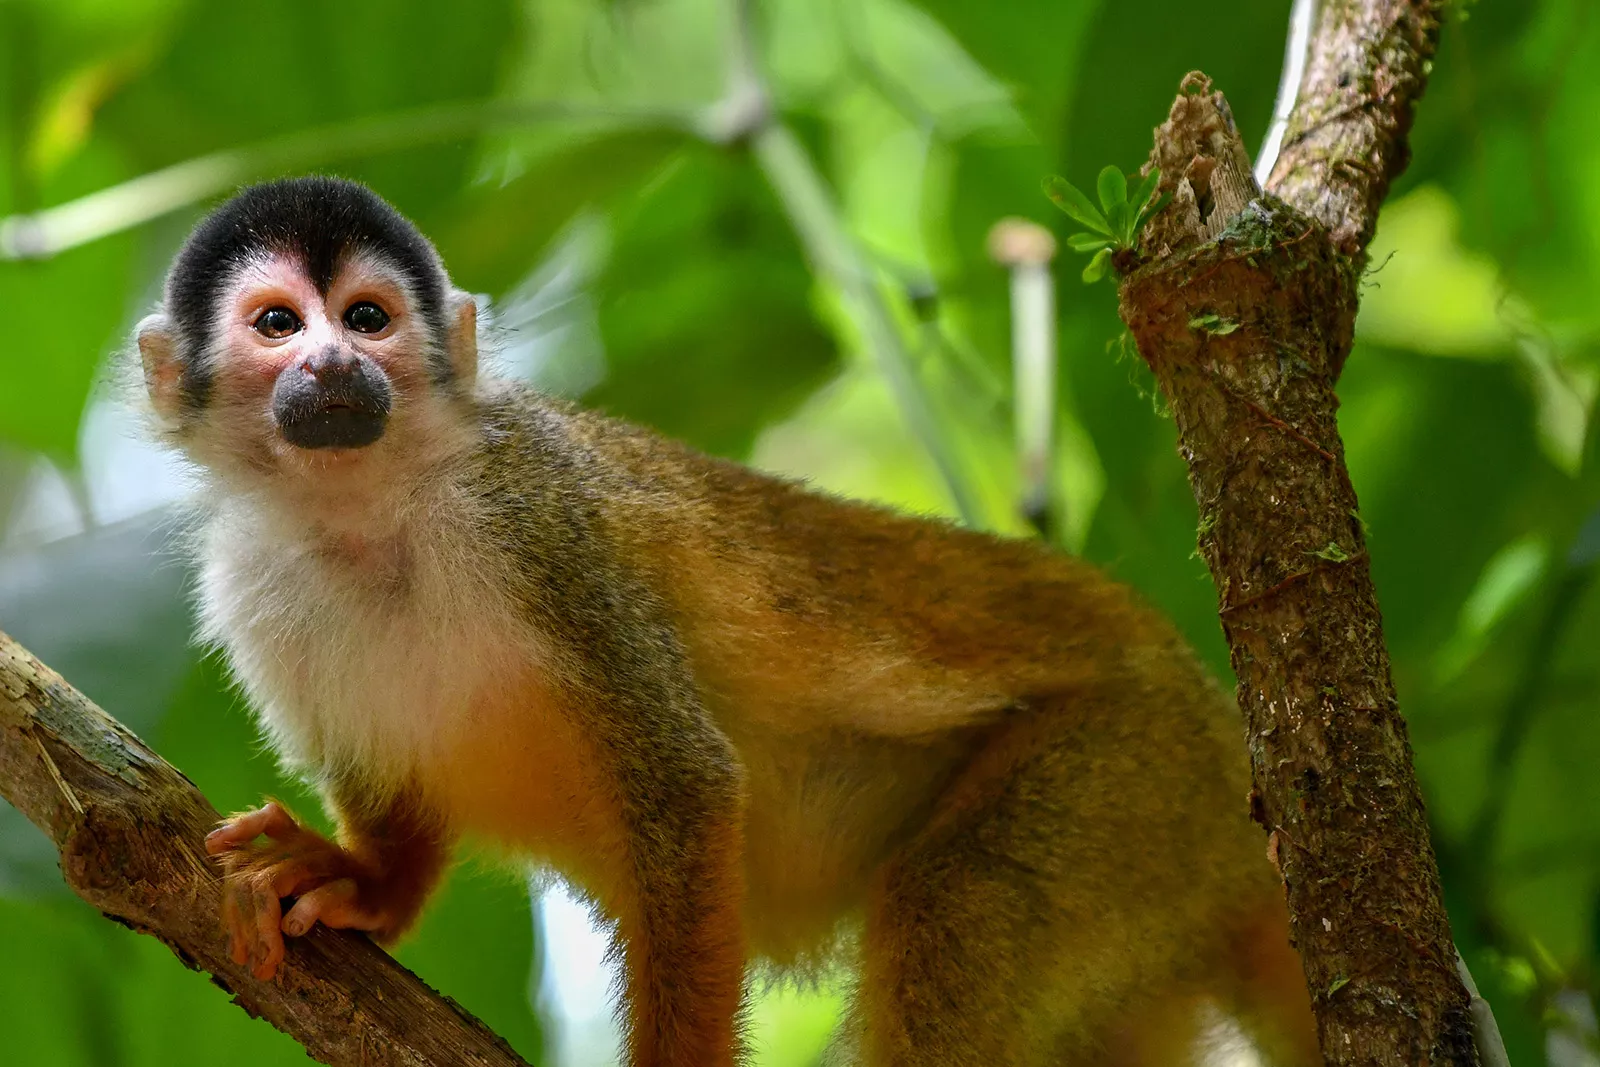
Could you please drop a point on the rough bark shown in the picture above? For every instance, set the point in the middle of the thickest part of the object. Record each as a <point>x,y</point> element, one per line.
<point>1346,139</point>
<point>130,827</point>
<point>1243,304</point>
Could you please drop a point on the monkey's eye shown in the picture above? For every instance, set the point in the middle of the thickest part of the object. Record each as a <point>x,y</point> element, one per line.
<point>277,322</point>
<point>365,317</point>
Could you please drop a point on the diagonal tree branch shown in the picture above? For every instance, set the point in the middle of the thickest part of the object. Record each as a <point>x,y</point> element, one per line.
<point>129,827</point>
<point>1243,305</point>
<point>1346,139</point>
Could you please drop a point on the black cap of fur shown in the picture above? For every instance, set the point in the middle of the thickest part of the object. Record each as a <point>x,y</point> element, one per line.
<point>318,220</point>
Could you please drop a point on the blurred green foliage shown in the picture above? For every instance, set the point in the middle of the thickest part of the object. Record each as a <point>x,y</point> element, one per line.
<point>649,271</point>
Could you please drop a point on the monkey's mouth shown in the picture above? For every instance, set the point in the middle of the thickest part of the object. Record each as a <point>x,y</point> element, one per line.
<point>344,411</point>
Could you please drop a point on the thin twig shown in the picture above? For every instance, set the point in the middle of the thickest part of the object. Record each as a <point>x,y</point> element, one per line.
<point>1272,420</point>
<point>815,218</point>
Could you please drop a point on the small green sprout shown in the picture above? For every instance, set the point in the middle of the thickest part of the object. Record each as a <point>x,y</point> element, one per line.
<point>1115,225</point>
<point>1213,325</point>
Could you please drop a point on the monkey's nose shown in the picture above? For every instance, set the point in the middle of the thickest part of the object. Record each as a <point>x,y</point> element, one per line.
<point>332,399</point>
<point>332,365</point>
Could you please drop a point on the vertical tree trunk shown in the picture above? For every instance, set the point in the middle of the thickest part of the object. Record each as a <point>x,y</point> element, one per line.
<point>1243,304</point>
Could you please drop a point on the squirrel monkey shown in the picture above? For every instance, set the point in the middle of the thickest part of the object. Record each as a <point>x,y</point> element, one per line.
<point>741,716</point>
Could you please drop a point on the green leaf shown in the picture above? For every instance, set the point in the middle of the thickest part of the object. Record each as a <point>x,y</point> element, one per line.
<point>495,237</point>
<point>52,354</point>
<point>1033,46</point>
<point>1070,198</point>
<point>1146,189</point>
<point>1121,216</point>
<point>1507,579</point>
<point>1097,267</point>
<point>706,310</point>
<point>1087,242</point>
<point>1113,188</point>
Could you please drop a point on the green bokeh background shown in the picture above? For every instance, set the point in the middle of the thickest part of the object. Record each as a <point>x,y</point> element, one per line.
<point>643,269</point>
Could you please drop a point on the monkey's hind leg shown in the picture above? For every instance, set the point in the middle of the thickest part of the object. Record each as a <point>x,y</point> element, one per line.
<point>1073,881</point>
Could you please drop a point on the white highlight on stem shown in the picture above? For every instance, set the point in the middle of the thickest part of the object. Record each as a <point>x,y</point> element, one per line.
<point>1033,344</point>
<point>1301,20</point>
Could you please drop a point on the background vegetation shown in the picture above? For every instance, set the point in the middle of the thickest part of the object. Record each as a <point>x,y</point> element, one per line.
<point>556,151</point>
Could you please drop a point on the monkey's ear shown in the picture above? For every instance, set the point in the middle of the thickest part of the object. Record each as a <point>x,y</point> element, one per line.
<point>462,342</point>
<point>163,372</point>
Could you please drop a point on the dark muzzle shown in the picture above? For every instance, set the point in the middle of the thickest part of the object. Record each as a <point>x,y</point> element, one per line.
<point>334,399</point>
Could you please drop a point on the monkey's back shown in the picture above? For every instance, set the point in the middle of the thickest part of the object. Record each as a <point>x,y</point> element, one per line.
<point>858,659</point>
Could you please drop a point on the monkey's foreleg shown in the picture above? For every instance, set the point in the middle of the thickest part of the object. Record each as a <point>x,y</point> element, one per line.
<point>375,878</point>
<point>684,949</point>
<point>679,900</point>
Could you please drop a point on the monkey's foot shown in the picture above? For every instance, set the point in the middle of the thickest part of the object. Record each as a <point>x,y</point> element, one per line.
<point>292,861</point>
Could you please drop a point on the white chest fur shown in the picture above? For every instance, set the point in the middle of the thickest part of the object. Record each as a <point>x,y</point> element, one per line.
<point>359,656</point>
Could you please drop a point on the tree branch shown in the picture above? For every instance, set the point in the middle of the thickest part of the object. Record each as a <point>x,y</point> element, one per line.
<point>1244,307</point>
<point>1346,139</point>
<point>129,827</point>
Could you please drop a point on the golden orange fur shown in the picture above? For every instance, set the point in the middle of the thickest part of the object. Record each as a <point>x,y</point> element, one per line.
<point>739,714</point>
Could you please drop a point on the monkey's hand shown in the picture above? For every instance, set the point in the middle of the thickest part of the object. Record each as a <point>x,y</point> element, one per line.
<point>330,885</point>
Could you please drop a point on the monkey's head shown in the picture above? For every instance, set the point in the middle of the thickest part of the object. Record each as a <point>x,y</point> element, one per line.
<point>306,329</point>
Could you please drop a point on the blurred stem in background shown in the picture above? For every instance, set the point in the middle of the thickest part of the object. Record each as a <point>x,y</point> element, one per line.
<point>1025,249</point>
<point>833,253</point>
<point>1569,584</point>
<point>139,200</point>
<point>806,199</point>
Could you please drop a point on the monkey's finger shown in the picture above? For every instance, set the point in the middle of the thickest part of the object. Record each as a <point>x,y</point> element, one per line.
<point>271,820</point>
<point>236,922</point>
<point>335,905</point>
<point>267,951</point>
